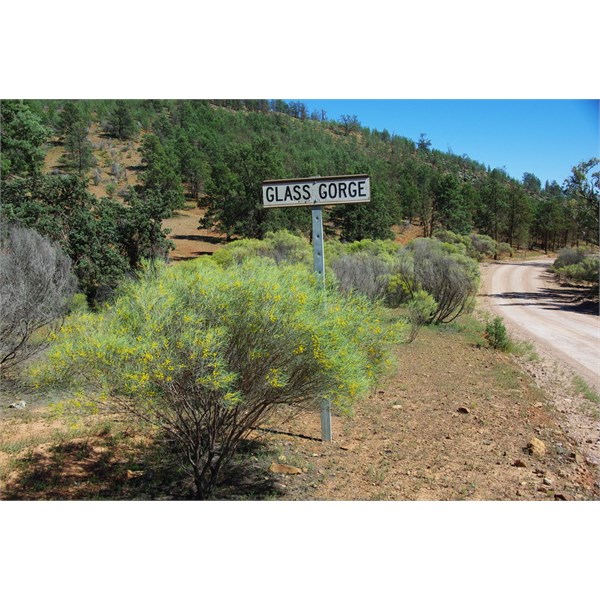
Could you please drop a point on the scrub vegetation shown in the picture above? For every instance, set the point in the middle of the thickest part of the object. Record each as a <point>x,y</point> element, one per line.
<point>206,353</point>
<point>183,364</point>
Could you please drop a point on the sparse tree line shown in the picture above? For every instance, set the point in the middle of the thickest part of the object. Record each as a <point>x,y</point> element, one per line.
<point>218,153</point>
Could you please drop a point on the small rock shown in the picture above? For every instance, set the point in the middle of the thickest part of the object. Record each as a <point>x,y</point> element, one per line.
<point>464,410</point>
<point>397,406</point>
<point>536,447</point>
<point>487,442</point>
<point>134,474</point>
<point>284,469</point>
<point>519,463</point>
<point>576,458</point>
<point>20,405</point>
<point>547,481</point>
<point>563,496</point>
<point>538,405</point>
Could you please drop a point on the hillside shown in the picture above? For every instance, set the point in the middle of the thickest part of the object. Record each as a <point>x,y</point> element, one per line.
<point>118,164</point>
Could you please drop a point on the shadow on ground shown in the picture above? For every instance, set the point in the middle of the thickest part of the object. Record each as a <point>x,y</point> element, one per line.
<point>573,298</point>
<point>100,469</point>
<point>209,239</point>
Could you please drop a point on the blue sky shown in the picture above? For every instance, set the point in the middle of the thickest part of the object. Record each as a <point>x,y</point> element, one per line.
<point>544,137</point>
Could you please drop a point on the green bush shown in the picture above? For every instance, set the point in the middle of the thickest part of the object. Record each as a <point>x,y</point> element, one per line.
<point>206,353</point>
<point>496,334</point>
<point>585,271</point>
<point>574,265</point>
<point>281,246</point>
<point>481,246</point>
<point>476,246</point>
<point>505,249</point>
<point>421,309</point>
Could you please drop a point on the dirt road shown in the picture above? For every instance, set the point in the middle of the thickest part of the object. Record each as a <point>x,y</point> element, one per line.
<point>526,295</point>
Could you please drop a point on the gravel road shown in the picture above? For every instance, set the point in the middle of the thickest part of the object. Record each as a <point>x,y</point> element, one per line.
<point>526,295</point>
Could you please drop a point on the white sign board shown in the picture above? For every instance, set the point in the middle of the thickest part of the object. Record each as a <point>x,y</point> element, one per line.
<point>341,189</point>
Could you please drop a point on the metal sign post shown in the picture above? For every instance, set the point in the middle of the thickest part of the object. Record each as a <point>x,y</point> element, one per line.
<point>316,192</point>
<point>319,268</point>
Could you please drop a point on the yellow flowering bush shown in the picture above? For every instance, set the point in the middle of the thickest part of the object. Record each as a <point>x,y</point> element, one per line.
<point>207,352</point>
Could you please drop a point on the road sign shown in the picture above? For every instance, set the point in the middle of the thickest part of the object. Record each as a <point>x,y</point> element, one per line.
<point>316,191</point>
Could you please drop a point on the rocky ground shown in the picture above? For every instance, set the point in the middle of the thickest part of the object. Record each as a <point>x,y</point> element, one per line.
<point>454,421</point>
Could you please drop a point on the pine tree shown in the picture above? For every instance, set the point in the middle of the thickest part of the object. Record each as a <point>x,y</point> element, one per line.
<point>23,139</point>
<point>74,126</point>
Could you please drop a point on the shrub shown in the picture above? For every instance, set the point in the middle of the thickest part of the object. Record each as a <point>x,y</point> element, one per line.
<point>281,246</point>
<point>421,309</point>
<point>451,278</point>
<point>111,189</point>
<point>585,271</point>
<point>482,246</point>
<point>207,353</point>
<point>504,249</point>
<point>496,334</point>
<point>37,285</point>
<point>363,273</point>
<point>462,243</point>
<point>568,256</point>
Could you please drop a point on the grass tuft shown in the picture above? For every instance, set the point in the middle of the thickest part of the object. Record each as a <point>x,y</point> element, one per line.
<point>582,387</point>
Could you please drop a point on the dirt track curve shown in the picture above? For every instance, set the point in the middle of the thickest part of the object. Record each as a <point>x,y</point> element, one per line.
<point>526,295</point>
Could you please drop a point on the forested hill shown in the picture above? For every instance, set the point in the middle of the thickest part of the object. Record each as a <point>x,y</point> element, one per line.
<point>219,152</point>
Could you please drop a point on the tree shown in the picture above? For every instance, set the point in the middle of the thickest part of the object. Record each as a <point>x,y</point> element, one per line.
<point>452,210</point>
<point>583,186</point>
<point>234,196</point>
<point>140,228</point>
<point>37,285</point>
<point>74,125</point>
<point>424,143</point>
<point>161,174</point>
<point>491,217</point>
<point>120,121</point>
<point>193,165</point>
<point>350,123</point>
<point>23,139</point>
<point>424,180</point>
<point>366,221</point>
<point>531,183</point>
<point>61,208</point>
<point>519,215</point>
